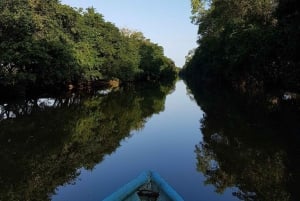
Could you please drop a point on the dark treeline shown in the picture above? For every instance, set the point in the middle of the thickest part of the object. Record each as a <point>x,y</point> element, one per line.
<point>44,43</point>
<point>45,141</point>
<point>250,139</point>
<point>251,44</point>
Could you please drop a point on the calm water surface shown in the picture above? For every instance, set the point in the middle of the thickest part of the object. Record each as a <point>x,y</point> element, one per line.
<point>165,144</point>
<point>80,147</point>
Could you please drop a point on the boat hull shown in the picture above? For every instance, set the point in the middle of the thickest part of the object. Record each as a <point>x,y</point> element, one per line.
<point>148,186</point>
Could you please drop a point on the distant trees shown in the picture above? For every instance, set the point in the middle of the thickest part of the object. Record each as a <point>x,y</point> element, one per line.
<point>46,43</point>
<point>153,64</point>
<point>243,42</point>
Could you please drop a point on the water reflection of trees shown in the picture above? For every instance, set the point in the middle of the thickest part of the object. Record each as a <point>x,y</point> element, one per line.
<point>251,143</point>
<point>44,141</point>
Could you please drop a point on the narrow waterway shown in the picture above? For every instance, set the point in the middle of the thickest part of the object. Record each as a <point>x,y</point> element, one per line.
<point>207,144</point>
<point>165,144</point>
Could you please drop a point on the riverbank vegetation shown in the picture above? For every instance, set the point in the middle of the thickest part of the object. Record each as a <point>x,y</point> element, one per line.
<point>245,76</point>
<point>246,44</point>
<point>46,43</point>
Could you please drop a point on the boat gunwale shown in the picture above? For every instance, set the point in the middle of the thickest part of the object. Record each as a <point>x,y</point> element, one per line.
<point>131,187</point>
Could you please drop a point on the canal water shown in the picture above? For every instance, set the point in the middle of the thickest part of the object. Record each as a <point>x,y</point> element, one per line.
<point>165,144</point>
<point>78,147</point>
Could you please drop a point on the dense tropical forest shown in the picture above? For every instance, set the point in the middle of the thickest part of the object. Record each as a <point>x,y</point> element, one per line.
<point>46,43</point>
<point>249,44</point>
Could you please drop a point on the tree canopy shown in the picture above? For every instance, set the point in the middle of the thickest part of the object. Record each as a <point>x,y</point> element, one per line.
<point>47,43</point>
<point>247,43</point>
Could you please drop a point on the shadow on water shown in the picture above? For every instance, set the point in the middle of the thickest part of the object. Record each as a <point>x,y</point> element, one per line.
<point>250,142</point>
<point>45,141</point>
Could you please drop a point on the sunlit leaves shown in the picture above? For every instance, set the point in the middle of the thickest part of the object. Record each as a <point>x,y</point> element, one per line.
<point>46,43</point>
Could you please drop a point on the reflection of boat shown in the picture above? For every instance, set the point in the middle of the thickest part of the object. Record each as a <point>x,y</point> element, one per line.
<point>148,186</point>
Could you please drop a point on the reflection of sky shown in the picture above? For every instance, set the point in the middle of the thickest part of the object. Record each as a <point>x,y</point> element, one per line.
<point>166,145</point>
<point>164,22</point>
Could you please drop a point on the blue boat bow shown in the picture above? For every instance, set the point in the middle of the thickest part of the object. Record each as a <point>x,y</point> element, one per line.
<point>149,185</point>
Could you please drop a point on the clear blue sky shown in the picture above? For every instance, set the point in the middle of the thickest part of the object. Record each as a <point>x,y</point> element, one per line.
<point>166,22</point>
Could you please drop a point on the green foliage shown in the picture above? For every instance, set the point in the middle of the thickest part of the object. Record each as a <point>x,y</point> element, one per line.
<point>46,43</point>
<point>154,64</point>
<point>245,42</point>
<point>33,48</point>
